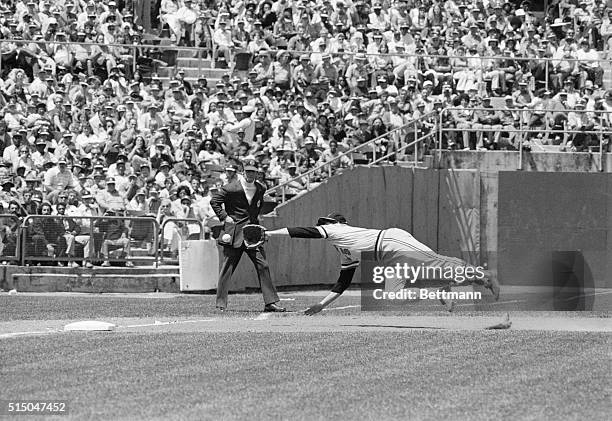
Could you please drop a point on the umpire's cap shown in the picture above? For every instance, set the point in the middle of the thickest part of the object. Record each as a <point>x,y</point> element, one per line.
<point>332,218</point>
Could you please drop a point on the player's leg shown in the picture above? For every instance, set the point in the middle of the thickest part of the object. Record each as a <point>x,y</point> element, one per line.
<point>401,247</point>
<point>231,258</point>
<point>461,272</point>
<point>397,283</point>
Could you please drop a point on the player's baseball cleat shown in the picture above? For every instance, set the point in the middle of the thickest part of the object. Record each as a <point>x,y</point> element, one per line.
<point>506,324</point>
<point>492,285</point>
<point>450,303</point>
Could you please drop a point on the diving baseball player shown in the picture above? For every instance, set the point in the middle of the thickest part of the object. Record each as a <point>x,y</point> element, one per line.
<point>390,247</point>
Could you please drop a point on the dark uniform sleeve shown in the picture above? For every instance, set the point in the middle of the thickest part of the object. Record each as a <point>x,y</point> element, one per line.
<point>344,280</point>
<point>304,232</point>
<point>216,202</point>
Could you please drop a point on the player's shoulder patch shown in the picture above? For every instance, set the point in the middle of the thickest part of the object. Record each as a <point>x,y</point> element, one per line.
<point>322,231</point>
<point>330,230</point>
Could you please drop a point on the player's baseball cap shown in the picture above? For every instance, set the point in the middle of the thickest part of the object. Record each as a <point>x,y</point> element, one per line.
<point>332,218</point>
<point>250,166</point>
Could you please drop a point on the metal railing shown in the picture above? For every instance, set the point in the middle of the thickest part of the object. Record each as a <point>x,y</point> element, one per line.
<point>180,221</point>
<point>483,61</point>
<point>524,116</point>
<point>328,166</point>
<point>94,241</point>
<point>414,143</point>
<point>135,50</point>
<point>437,135</point>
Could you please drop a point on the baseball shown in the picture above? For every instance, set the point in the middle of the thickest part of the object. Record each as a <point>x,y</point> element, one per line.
<point>226,238</point>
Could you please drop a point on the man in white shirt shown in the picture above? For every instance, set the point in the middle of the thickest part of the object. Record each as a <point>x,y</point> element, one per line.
<point>222,38</point>
<point>589,65</point>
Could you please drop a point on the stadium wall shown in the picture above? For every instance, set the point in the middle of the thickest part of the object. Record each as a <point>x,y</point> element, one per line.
<point>441,208</point>
<point>510,221</point>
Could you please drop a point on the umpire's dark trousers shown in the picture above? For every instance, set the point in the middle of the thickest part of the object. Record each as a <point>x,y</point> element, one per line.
<point>231,258</point>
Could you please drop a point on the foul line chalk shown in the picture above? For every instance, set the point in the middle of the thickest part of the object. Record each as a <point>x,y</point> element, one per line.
<point>157,323</point>
<point>12,334</point>
<point>340,308</point>
<point>174,322</point>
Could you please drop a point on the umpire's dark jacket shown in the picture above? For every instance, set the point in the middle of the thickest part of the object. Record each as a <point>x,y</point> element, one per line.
<point>234,199</point>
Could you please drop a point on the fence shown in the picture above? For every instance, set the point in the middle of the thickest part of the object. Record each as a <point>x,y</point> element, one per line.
<point>144,57</point>
<point>393,137</point>
<point>55,238</point>
<point>182,227</point>
<point>480,65</point>
<point>439,130</point>
<point>58,240</point>
<point>526,124</point>
<point>10,244</point>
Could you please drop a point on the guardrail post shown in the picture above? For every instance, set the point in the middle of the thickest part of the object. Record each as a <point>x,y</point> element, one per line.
<point>416,145</point>
<point>438,151</point>
<point>24,246</point>
<point>600,149</point>
<point>546,77</point>
<point>92,240</point>
<point>520,164</point>
<point>134,67</point>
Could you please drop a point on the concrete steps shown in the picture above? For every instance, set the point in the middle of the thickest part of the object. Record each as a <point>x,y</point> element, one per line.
<point>194,63</point>
<point>192,72</point>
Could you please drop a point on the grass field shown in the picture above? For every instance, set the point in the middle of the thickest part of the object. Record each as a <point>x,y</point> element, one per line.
<point>174,357</point>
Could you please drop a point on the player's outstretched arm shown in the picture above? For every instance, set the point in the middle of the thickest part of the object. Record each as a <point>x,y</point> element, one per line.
<point>295,232</point>
<point>314,309</point>
<point>344,280</point>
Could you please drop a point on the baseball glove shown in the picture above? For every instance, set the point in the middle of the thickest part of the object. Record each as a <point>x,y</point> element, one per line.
<point>254,235</point>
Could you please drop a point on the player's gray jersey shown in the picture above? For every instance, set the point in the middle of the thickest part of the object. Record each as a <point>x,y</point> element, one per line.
<point>350,241</point>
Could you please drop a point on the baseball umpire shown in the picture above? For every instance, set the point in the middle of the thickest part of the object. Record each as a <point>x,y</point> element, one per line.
<point>239,203</point>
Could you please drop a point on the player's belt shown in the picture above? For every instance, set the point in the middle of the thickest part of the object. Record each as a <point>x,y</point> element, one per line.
<point>378,246</point>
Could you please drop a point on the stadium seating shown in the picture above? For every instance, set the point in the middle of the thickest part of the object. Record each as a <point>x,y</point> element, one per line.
<point>165,103</point>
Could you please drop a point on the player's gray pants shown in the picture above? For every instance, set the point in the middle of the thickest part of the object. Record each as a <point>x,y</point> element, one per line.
<point>400,247</point>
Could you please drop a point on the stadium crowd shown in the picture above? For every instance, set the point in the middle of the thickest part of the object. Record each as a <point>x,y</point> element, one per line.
<point>88,131</point>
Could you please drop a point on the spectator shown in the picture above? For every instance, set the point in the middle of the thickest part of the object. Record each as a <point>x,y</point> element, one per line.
<point>114,234</point>
<point>318,78</point>
<point>58,178</point>
<point>46,236</point>
<point>223,43</point>
<point>71,231</point>
<point>110,199</point>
